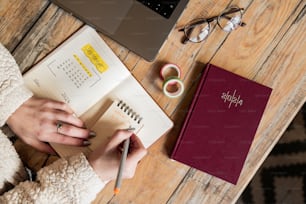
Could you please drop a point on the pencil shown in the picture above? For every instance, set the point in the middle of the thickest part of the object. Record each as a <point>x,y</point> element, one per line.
<point>122,163</point>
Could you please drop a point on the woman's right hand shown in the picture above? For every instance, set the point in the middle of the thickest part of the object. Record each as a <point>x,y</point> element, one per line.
<point>105,160</point>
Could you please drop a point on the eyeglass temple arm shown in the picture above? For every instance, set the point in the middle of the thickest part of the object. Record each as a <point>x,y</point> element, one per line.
<point>192,25</point>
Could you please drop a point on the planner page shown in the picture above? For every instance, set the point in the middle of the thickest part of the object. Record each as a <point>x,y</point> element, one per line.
<point>84,67</point>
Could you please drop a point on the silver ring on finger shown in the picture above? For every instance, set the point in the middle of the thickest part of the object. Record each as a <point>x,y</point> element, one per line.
<point>59,125</point>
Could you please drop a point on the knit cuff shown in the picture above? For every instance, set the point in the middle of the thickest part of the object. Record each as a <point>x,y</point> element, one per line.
<point>72,176</point>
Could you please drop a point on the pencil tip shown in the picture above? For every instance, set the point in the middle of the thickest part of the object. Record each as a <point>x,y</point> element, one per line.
<point>116,191</point>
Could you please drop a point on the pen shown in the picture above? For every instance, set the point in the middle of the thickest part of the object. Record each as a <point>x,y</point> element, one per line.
<point>122,163</point>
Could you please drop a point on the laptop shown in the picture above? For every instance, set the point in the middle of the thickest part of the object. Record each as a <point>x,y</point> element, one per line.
<point>142,26</point>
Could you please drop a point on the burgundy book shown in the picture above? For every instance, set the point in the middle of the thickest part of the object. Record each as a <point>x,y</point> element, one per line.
<point>221,123</point>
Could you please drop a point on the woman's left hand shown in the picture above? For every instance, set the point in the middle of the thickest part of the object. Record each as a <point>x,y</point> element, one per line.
<point>39,121</point>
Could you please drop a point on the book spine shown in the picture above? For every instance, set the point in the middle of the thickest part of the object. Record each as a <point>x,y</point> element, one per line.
<point>190,109</point>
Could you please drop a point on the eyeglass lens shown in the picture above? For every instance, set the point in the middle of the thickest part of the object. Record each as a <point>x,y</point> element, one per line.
<point>229,21</point>
<point>197,33</point>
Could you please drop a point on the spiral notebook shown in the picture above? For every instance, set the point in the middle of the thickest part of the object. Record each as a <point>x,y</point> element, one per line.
<point>85,73</point>
<point>118,116</point>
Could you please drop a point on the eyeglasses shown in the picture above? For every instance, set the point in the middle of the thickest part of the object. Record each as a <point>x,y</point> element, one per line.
<point>199,29</point>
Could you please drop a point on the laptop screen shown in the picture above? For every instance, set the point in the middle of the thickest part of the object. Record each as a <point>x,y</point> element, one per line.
<point>132,23</point>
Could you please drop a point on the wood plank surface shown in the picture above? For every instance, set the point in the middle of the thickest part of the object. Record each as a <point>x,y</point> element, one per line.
<point>270,49</point>
<point>17,18</point>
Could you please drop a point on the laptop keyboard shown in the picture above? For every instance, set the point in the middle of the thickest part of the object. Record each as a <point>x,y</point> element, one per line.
<point>162,7</point>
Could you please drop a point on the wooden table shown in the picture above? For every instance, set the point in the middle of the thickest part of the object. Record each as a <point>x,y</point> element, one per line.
<point>270,50</point>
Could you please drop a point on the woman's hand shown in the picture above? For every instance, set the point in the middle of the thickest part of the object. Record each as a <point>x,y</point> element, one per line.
<point>36,123</point>
<point>106,159</point>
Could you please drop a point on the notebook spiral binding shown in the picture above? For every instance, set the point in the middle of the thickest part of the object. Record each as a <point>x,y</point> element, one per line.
<point>129,111</point>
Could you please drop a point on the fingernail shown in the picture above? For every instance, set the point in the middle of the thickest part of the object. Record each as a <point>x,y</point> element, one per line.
<point>92,134</point>
<point>86,143</point>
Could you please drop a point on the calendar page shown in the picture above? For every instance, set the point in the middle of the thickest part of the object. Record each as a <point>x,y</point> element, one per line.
<point>84,67</point>
<point>71,71</point>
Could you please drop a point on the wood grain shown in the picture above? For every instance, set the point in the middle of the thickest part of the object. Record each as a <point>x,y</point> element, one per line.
<point>52,28</point>
<point>17,18</point>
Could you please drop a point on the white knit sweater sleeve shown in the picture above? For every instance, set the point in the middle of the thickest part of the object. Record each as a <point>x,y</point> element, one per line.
<point>69,180</point>
<point>12,90</point>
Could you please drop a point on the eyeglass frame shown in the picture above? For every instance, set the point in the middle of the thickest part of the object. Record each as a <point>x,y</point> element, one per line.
<point>195,22</point>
